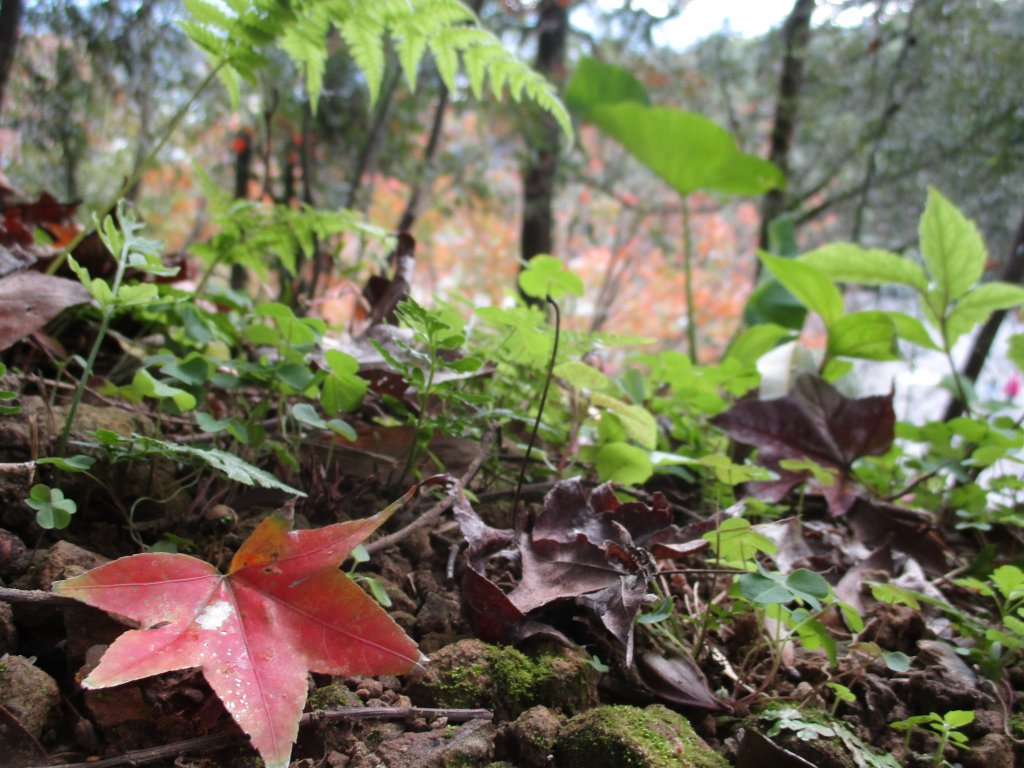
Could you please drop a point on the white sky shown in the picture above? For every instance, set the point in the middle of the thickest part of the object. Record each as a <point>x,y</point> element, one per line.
<point>703,18</point>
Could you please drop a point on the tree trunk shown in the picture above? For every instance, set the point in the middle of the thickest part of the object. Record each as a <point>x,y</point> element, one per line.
<point>10,18</point>
<point>1012,272</point>
<point>543,137</point>
<point>242,145</point>
<point>796,34</point>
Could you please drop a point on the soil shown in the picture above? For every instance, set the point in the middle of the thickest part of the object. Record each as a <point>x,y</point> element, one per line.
<point>549,703</point>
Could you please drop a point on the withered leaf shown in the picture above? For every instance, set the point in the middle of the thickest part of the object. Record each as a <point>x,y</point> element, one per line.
<point>816,422</point>
<point>584,547</point>
<point>29,300</point>
<point>676,679</point>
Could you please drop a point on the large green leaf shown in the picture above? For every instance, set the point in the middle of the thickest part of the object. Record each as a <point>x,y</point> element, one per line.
<point>974,308</point>
<point>595,82</point>
<point>636,420</point>
<point>623,463</point>
<point>850,263</point>
<point>811,287</point>
<point>685,149</point>
<point>864,335</point>
<point>952,249</point>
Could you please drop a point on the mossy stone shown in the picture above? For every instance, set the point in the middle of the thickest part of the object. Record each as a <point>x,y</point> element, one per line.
<point>333,696</point>
<point>471,673</point>
<point>630,737</point>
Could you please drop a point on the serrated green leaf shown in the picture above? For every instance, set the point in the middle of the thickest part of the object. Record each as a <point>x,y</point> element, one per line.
<point>851,263</point>
<point>814,290</point>
<point>869,335</point>
<point>977,304</point>
<point>952,248</point>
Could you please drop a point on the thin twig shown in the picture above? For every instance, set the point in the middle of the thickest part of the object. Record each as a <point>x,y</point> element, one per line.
<point>34,596</point>
<point>432,514</point>
<point>153,754</point>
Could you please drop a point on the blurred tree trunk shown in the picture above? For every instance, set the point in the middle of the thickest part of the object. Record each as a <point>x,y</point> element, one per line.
<point>10,18</point>
<point>542,135</point>
<point>796,34</point>
<point>242,146</point>
<point>1012,272</point>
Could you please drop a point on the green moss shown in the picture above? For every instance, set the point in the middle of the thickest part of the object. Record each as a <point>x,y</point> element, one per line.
<point>333,696</point>
<point>502,678</point>
<point>464,687</point>
<point>630,737</point>
<point>1017,725</point>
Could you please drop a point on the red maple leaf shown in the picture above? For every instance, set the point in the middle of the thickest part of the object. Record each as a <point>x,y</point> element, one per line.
<point>283,609</point>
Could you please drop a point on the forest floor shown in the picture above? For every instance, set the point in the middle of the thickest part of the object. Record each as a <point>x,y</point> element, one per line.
<point>546,700</point>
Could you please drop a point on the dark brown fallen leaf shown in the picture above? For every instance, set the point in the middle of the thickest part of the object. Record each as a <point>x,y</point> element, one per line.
<point>907,530</point>
<point>676,679</point>
<point>584,547</point>
<point>29,300</point>
<point>816,422</point>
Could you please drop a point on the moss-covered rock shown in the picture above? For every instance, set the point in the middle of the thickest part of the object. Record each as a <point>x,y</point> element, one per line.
<point>471,673</point>
<point>631,737</point>
<point>333,696</point>
<point>535,732</point>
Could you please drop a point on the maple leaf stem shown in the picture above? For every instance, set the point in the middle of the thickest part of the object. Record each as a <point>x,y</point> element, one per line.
<point>540,412</point>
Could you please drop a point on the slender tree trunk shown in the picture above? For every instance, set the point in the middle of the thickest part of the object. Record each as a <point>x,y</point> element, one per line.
<point>10,22</point>
<point>796,34</point>
<point>243,173</point>
<point>1012,272</point>
<point>426,176</point>
<point>543,137</point>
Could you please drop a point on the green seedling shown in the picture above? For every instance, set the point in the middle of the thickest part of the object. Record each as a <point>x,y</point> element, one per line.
<point>946,727</point>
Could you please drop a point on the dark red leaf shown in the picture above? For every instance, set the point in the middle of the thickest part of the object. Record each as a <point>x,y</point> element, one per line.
<point>814,421</point>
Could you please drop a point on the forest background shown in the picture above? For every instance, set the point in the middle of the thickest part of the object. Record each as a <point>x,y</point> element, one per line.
<point>862,104</point>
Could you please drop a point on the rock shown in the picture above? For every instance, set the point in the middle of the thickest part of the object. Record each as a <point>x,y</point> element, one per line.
<point>993,750</point>
<point>471,673</point>
<point>8,633</point>
<point>64,560</point>
<point>14,559</point>
<point>469,744</point>
<point>534,733</point>
<point>28,693</point>
<point>438,614</point>
<point>631,737</point>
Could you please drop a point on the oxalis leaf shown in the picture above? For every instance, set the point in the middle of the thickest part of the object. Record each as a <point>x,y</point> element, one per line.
<point>283,609</point>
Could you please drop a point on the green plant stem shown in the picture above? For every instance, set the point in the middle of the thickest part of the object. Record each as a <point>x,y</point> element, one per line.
<point>540,412</point>
<point>172,126</point>
<point>691,310</point>
<point>417,447</point>
<point>108,314</point>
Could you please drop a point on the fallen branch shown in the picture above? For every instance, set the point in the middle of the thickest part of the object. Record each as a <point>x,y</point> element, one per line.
<point>34,596</point>
<point>217,740</point>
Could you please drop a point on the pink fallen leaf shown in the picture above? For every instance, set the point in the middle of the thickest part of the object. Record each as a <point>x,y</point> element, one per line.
<point>283,609</point>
